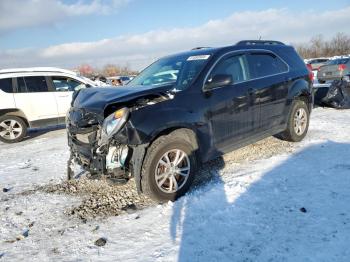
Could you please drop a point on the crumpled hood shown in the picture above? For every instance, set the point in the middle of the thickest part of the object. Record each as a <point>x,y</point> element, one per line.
<point>96,99</point>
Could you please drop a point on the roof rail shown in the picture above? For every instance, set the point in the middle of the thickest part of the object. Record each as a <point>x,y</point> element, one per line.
<point>37,69</point>
<point>259,42</point>
<point>200,47</point>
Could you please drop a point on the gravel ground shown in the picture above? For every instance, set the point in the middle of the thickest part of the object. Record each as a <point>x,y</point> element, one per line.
<point>102,199</point>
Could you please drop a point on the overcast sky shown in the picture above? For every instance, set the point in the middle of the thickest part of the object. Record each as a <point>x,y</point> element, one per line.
<point>67,33</point>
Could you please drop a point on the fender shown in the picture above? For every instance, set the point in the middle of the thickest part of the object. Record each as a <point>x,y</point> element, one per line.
<point>298,88</point>
<point>149,122</point>
<point>15,112</point>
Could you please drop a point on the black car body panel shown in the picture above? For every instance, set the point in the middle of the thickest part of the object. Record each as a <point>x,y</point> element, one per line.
<point>221,119</point>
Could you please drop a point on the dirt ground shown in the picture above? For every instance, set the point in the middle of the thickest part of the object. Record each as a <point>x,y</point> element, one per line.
<point>102,199</point>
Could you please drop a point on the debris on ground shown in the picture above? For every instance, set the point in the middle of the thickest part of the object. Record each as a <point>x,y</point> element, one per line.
<point>303,209</point>
<point>99,198</point>
<point>22,236</point>
<point>101,242</point>
<point>5,189</point>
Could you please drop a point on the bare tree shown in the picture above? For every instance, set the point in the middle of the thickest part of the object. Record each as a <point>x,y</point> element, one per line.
<point>318,47</point>
<point>86,70</point>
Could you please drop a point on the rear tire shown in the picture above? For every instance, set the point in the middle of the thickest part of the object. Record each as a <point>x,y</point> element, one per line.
<point>169,167</point>
<point>298,122</point>
<point>12,129</point>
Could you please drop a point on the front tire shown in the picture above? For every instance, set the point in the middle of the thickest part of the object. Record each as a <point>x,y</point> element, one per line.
<point>298,122</point>
<point>169,167</point>
<point>12,129</point>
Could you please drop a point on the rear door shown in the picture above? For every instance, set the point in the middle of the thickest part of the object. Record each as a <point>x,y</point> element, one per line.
<point>35,99</point>
<point>64,87</point>
<point>269,80</point>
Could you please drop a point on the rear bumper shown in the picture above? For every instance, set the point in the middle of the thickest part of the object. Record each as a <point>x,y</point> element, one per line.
<point>334,76</point>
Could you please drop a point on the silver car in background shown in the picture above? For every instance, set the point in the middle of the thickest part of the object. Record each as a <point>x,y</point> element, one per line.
<point>316,63</point>
<point>335,69</point>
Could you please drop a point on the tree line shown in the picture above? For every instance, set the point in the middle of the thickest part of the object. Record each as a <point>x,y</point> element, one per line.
<point>319,47</point>
<point>106,71</point>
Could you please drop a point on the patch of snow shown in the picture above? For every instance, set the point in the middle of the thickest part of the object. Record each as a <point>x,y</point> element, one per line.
<point>289,207</point>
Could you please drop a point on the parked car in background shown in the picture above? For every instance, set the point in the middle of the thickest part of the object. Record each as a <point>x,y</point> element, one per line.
<point>35,97</point>
<point>122,79</point>
<point>316,63</point>
<point>335,69</point>
<point>186,109</point>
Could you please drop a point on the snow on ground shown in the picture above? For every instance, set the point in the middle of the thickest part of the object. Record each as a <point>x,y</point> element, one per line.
<point>289,207</point>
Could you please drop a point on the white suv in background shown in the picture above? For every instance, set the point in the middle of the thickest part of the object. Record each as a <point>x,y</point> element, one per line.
<point>35,97</point>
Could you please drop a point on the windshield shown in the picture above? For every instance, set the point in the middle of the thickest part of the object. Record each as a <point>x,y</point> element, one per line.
<point>179,71</point>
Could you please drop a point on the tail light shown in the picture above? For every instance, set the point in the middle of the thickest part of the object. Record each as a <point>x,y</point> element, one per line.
<point>341,67</point>
<point>311,74</point>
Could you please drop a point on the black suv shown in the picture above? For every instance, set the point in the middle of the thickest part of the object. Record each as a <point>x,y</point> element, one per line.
<point>186,109</point>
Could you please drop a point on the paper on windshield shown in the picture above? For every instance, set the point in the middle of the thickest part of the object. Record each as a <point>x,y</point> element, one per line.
<point>198,57</point>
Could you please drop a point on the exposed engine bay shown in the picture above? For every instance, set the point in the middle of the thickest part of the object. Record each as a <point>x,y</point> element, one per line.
<point>98,140</point>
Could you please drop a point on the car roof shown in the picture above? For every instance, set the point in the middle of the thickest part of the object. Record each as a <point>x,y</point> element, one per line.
<point>43,71</point>
<point>37,69</point>
<point>241,45</point>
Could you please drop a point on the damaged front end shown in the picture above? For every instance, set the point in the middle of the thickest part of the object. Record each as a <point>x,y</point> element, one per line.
<point>99,141</point>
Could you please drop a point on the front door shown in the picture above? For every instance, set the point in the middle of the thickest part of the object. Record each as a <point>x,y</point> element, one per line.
<point>232,115</point>
<point>63,90</point>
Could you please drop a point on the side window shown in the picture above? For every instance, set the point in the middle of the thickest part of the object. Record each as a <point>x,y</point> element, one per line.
<point>33,84</point>
<point>6,85</point>
<point>66,84</point>
<point>265,64</point>
<point>234,66</point>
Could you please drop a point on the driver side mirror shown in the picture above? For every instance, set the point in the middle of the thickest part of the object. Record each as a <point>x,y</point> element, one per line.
<point>218,81</point>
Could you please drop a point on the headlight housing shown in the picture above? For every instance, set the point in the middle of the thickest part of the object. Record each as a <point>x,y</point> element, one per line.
<point>114,122</point>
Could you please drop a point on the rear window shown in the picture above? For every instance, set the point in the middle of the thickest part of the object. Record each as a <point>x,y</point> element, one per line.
<point>6,85</point>
<point>318,61</point>
<point>32,84</point>
<point>265,64</point>
<point>338,61</point>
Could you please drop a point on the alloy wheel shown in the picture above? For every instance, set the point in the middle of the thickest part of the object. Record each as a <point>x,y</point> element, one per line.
<point>300,121</point>
<point>172,171</point>
<point>10,129</point>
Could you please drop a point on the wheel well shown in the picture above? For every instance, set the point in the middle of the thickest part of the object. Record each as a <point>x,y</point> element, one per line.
<point>307,99</point>
<point>188,133</point>
<point>14,112</point>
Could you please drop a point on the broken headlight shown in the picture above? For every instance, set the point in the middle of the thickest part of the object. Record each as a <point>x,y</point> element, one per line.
<point>114,122</point>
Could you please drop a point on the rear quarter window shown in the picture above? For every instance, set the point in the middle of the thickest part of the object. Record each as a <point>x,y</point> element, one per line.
<point>6,85</point>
